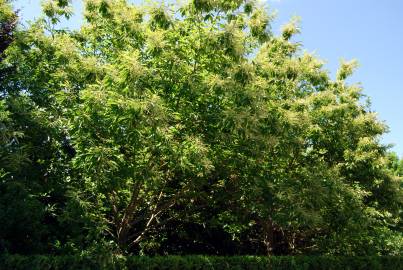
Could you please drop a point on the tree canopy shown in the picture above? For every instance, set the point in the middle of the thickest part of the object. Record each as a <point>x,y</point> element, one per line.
<point>186,128</point>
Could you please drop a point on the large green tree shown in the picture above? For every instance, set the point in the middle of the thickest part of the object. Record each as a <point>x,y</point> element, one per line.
<point>191,128</point>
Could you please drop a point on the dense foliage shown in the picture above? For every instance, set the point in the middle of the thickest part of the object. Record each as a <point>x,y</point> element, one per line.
<point>185,129</point>
<point>395,164</point>
<point>17,262</point>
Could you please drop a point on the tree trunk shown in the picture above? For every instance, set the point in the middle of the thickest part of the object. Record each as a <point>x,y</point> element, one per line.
<point>268,239</point>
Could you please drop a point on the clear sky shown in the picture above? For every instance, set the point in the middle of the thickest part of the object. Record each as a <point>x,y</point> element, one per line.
<point>368,30</point>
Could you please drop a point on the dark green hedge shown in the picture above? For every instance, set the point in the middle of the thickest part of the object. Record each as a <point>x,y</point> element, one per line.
<point>16,262</point>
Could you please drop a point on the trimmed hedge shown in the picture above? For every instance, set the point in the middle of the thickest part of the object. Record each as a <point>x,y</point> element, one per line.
<point>17,262</point>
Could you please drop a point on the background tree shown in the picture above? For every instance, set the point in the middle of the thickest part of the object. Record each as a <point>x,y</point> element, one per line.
<point>34,150</point>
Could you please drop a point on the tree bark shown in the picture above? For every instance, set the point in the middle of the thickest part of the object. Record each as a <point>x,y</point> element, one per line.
<point>268,238</point>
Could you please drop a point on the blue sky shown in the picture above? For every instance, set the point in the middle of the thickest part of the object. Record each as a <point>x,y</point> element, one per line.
<point>368,30</point>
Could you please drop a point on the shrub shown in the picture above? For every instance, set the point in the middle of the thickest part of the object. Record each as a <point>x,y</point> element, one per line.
<point>18,262</point>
